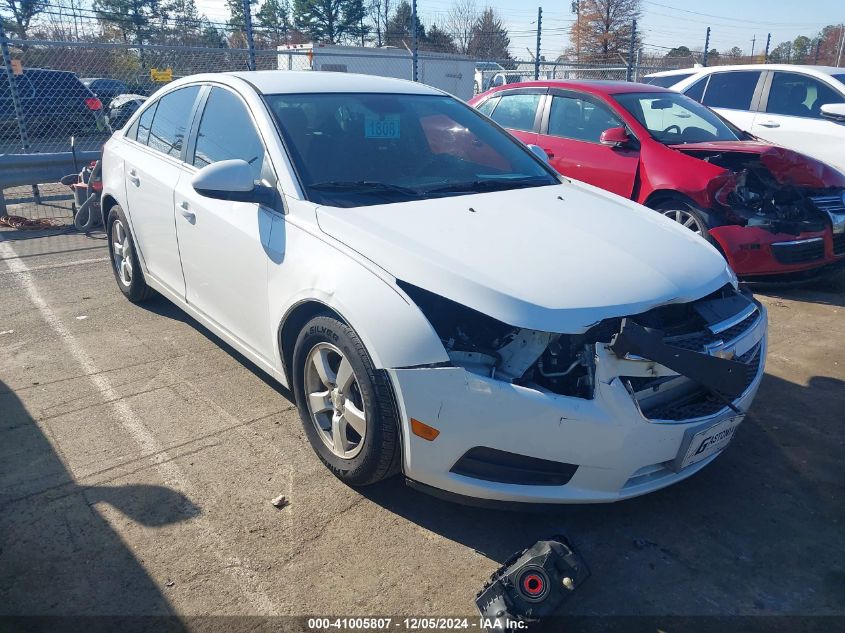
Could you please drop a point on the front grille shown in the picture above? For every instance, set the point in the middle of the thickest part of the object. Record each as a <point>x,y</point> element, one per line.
<point>699,341</point>
<point>839,244</point>
<point>830,204</point>
<point>800,251</point>
<point>701,403</point>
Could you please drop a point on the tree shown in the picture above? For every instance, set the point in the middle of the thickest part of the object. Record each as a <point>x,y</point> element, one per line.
<point>274,18</point>
<point>22,13</point>
<point>330,21</point>
<point>679,51</point>
<point>602,31</point>
<point>133,19</point>
<point>781,53</point>
<point>439,40</point>
<point>398,27</point>
<point>379,13</point>
<point>461,18</point>
<point>801,49</point>
<point>237,19</point>
<point>489,38</point>
<point>734,53</point>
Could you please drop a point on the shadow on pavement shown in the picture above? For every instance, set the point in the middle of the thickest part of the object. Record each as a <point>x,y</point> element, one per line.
<point>58,555</point>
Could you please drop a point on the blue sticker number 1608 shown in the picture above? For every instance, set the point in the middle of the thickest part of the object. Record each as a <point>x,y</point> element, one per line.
<point>382,127</point>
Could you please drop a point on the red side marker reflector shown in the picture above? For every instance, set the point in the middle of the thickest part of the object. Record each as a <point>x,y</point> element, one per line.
<point>420,429</point>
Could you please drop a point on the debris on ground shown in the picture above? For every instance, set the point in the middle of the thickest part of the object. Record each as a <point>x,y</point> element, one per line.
<point>23,224</point>
<point>280,502</point>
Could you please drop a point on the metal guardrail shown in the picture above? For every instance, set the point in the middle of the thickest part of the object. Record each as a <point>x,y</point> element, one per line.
<point>29,169</point>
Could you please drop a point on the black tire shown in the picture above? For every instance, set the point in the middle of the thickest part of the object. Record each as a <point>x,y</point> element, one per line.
<point>379,454</point>
<point>136,290</point>
<point>701,217</point>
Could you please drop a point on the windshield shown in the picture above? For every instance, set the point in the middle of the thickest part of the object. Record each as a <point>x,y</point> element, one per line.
<point>666,81</point>
<point>673,118</point>
<point>353,149</point>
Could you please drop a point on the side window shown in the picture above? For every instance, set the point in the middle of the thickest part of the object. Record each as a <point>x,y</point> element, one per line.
<point>732,90</point>
<point>143,124</point>
<point>487,107</point>
<point>226,132</point>
<point>517,111</point>
<point>171,119</point>
<point>799,95</point>
<point>696,91</point>
<point>580,119</point>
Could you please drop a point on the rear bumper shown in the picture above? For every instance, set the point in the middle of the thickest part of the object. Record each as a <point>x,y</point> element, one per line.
<point>618,452</point>
<point>753,251</point>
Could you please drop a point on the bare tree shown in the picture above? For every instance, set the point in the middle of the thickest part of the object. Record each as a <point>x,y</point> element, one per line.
<point>22,13</point>
<point>603,28</point>
<point>463,15</point>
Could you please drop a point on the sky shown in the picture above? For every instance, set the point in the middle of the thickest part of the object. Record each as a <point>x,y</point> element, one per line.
<point>665,23</point>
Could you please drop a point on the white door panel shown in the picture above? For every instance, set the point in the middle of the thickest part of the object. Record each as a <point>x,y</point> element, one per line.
<point>224,258</point>
<point>819,138</point>
<point>150,181</point>
<point>740,118</point>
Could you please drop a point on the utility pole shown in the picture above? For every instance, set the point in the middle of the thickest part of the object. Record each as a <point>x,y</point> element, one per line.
<point>753,42</point>
<point>768,43</point>
<point>576,7</point>
<point>250,41</point>
<point>706,47</point>
<point>414,50</point>
<point>841,42</point>
<point>539,35</point>
<point>630,73</point>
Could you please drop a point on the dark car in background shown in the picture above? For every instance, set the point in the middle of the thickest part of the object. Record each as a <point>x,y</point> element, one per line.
<point>54,103</point>
<point>106,89</point>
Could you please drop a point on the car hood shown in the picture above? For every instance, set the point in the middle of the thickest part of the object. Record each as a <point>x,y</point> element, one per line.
<point>558,259</point>
<point>785,165</point>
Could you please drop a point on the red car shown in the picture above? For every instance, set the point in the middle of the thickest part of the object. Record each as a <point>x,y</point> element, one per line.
<point>768,209</point>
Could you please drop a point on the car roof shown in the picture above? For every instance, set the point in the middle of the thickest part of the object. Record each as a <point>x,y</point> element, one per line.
<point>592,86</point>
<point>306,81</point>
<point>813,70</point>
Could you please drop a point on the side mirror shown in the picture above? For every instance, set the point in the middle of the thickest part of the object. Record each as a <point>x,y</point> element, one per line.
<point>539,152</point>
<point>615,137</point>
<point>231,180</point>
<point>834,112</point>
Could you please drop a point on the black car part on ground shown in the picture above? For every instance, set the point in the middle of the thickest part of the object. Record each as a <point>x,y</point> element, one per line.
<point>531,585</point>
<point>87,188</point>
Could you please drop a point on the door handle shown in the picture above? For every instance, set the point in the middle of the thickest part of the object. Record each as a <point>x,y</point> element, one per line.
<point>769,123</point>
<point>183,209</point>
<point>133,177</point>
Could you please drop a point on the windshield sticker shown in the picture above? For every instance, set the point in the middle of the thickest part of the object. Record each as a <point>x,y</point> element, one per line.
<point>386,126</point>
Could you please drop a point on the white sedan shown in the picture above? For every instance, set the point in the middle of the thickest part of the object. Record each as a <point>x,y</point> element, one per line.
<point>437,299</point>
<point>799,107</point>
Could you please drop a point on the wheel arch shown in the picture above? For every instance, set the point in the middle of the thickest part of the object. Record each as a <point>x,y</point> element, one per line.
<point>297,316</point>
<point>106,203</point>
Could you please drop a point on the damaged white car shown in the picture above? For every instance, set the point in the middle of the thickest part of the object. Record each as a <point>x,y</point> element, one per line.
<point>439,301</point>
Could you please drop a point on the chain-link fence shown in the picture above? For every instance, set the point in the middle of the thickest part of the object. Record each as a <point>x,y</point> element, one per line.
<point>52,92</point>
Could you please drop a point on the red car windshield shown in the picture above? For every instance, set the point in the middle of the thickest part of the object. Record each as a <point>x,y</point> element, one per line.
<point>674,119</point>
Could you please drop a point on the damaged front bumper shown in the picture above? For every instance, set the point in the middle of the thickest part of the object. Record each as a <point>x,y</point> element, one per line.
<point>500,441</point>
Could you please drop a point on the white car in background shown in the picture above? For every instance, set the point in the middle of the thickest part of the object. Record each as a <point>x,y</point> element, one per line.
<point>439,301</point>
<point>799,107</point>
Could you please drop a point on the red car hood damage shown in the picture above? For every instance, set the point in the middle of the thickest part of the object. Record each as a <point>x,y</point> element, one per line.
<point>786,166</point>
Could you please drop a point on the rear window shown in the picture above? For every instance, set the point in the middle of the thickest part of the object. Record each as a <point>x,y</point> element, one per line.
<point>517,111</point>
<point>732,90</point>
<point>170,122</point>
<point>59,84</point>
<point>668,81</point>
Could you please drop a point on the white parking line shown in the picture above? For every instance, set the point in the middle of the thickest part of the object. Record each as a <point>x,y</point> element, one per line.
<point>79,262</point>
<point>246,580</point>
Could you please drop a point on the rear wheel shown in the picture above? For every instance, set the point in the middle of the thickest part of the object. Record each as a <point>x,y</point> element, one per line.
<point>124,259</point>
<point>346,406</point>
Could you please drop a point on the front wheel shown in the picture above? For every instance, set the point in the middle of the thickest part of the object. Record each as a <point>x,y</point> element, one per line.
<point>346,406</point>
<point>684,214</point>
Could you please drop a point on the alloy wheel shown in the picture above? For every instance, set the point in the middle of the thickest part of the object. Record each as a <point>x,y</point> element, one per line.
<point>121,252</point>
<point>687,219</point>
<point>334,400</point>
